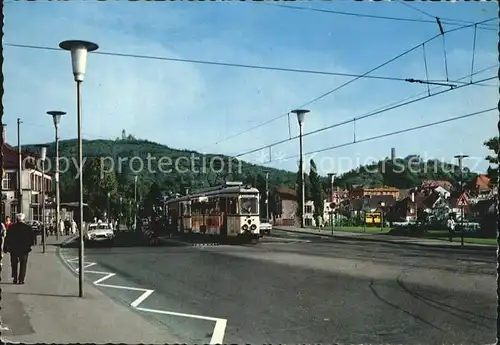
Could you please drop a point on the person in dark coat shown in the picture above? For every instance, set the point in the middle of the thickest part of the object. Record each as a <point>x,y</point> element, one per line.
<point>18,243</point>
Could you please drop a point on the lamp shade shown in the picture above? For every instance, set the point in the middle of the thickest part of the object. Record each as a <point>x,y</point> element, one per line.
<point>300,114</point>
<point>79,50</point>
<point>56,116</point>
<point>43,152</point>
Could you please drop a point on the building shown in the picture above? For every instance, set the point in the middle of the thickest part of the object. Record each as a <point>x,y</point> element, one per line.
<point>286,206</point>
<point>480,188</point>
<point>379,191</point>
<point>31,183</point>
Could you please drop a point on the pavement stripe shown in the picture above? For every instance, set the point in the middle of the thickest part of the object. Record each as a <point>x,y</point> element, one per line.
<point>220,324</point>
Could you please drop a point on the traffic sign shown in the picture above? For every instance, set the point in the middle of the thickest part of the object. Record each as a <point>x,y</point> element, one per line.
<point>463,200</point>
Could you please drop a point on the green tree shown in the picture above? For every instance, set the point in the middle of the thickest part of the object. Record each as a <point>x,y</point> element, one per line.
<point>317,192</point>
<point>494,145</point>
<point>153,201</point>
<point>98,181</point>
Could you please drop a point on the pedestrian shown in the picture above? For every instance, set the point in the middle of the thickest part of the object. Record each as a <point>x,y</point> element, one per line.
<point>2,239</point>
<point>73,227</point>
<point>18,243</point>
<point>61,227</point>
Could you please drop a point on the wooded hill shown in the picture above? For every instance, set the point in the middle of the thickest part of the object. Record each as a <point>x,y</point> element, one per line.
<point>378,174</point>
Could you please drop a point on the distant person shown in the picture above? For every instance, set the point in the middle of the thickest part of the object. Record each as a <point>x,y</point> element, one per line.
<point>3,233</point>
<point>73,227</point>
<point>18,243</point>
<point>62,227</point>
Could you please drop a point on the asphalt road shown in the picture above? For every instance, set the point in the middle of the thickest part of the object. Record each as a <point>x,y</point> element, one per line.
<point>306,289</point>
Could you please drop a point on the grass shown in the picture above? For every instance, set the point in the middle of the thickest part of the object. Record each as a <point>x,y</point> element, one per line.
<point>441,235</point>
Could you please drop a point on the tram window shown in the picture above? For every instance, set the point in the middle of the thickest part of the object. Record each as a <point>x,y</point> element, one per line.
<point>222,204</point>
<point>249,205</point>
<point>233,205</point>
<point>195,208</point>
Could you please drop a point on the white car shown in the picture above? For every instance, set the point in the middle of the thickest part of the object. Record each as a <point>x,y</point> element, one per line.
<point>265,227</point>
<point>99,232</point>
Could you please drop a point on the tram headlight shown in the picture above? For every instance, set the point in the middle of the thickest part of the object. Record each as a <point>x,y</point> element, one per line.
<point>245,227</point>
<point>253,227</point>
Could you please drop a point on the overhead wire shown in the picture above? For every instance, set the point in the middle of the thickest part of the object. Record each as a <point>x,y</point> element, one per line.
<point>447,21</point>
<point>380,136</point>
<point>366,115</point>
<point>341,86</point>
<point>224,64</point>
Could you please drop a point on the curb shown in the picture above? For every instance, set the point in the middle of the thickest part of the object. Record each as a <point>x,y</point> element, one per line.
<point>187,244</point>
<point>439,246</point>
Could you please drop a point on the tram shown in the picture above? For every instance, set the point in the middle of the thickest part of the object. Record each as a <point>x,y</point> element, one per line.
<point>226,212</point>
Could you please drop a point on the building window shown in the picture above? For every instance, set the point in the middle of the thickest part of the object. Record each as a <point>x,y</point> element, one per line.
<point>8,181</point>
<point>308,221</point>
<point>308,209</point>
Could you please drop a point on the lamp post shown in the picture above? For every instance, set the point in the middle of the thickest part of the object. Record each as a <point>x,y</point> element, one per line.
<point>382,205</point>
<point>43,156</point>
<point>300,117</point>
<point>332,179</point>
<point>79,50</point>
<point>460,167</point>
<point>121,213</point>
<point>267,196</point>
<point>135,203</point>
<point>109,207</point>
<point>56,117</point>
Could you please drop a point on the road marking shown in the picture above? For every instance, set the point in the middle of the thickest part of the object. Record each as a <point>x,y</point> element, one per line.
<point>220,324</point>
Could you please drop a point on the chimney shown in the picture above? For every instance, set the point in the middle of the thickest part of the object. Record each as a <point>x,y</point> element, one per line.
<point>393,154</point>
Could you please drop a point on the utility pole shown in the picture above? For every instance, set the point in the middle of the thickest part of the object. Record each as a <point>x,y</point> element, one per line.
<point>332,179</point>
<point>267,196</point>
<point>135,203</point>
<point>20,166</point>
<point>300,117</point>
<point>460,158</point>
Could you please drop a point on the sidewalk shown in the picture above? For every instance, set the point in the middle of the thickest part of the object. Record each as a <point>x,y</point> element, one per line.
<point>374,237</point>
<point>47,308</point>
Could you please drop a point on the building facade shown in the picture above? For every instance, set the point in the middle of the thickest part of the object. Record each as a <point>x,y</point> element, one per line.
<point>32,184</point>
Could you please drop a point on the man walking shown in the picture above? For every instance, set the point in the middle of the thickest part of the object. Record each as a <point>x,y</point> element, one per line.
<point>18,243</point>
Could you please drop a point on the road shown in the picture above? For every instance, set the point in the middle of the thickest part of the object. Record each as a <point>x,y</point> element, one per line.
<point>306,289</point>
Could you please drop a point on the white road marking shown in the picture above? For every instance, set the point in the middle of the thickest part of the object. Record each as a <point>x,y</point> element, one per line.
<point>220,324</point>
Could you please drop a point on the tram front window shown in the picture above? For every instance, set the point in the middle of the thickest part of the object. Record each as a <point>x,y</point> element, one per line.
<point>249,205</point>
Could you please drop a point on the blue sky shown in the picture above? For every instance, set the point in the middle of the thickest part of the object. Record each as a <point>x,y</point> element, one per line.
<point>193,106</point>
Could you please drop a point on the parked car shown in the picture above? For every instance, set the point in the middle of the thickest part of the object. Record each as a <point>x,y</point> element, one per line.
<point>99,232</point>
<point>265,227</point>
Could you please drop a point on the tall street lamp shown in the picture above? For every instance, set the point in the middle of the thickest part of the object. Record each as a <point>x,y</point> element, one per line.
<point>460,167</point>
<point>56,117</point>
<point>300,117</point>
<point>79,50</point>
<point>43,156</point>
<point>267,196</point>
<point>135,203</point>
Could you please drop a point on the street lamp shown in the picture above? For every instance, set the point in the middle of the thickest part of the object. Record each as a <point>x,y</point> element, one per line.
<point>43,156</point>
<point>267,196</point>
<point>460,167</point>
<point>56,117</point>
<point>135,203</point>
<point>79,50</point>
<point>382,205</point>
<point>300,117</point>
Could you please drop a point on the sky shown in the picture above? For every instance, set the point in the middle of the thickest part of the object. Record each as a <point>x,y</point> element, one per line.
<point>198,106</point>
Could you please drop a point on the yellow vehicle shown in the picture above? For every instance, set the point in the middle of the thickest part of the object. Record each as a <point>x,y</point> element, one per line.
<point>373,218</point>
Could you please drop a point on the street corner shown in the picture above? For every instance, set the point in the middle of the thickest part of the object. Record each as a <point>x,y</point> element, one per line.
<point>199,328</point>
